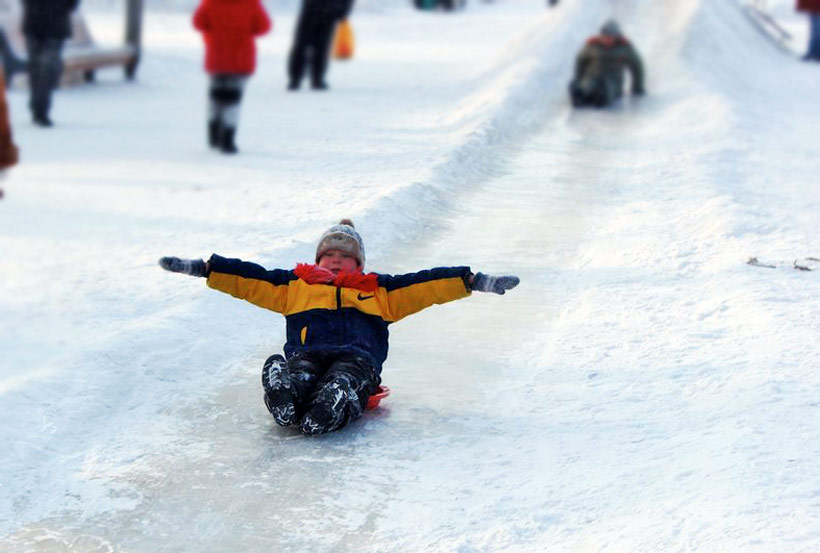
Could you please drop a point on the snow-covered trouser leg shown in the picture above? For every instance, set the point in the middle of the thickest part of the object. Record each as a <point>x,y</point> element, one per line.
<point>341,395</point>
<point>287,384</point>
<point>225,96</point>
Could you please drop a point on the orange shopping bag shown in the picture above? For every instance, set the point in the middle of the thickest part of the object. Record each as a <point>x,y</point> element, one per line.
<point>343,41</point>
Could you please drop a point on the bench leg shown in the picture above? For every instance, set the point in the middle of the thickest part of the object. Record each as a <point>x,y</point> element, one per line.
<point>131,69</point>
<point>89,76</point>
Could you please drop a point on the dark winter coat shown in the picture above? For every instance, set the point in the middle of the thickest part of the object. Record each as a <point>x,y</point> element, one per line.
<point>229,28</point>
<point>8,149</point>
<point>48,18</point>
<point>812,6</point>
<point>605,58</point>
<point>328,318</point>
<point>326,9</point>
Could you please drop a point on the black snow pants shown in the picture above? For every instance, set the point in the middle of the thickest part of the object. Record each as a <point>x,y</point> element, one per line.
<point>311,46</point>
<point>45,66</point>
<point>319,392</point>
<point>593,92</point>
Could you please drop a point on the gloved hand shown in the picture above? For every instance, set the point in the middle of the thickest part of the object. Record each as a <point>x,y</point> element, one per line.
<point>494,284</point>
<point>193,267</point>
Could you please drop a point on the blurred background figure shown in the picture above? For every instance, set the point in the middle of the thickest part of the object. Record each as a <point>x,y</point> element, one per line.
<point>46,26</point>
<point>8,150</point>
<point>812,9</point>
<point>552,3</point>
<point>312,40</point>
<point>447,5</point>
<point>229,28</point>
<point>600,67</point>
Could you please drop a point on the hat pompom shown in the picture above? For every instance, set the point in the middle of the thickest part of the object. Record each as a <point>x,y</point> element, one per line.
<point>347,222</point>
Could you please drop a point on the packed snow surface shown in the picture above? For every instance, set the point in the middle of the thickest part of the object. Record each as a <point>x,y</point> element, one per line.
<point>643,390</point>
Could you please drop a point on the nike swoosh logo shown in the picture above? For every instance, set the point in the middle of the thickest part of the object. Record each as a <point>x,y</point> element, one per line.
<point>361,297</point>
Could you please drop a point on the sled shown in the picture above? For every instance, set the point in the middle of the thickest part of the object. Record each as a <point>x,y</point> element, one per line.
<point>374,400</point>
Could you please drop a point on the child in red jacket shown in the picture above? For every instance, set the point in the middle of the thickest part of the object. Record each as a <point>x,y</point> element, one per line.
<point>229,28</point>
<point>337,320</point>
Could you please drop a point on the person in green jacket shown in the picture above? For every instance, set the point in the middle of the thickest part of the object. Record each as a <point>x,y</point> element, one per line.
<point>600,67</point>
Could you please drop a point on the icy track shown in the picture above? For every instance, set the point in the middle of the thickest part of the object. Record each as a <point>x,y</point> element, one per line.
<point>643,390</point>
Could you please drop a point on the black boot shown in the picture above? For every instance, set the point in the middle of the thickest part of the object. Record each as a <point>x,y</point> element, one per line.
<point>332,407</point>
<point>42,120</point>
<point>279,394</point>
<point>281,406</point>
<point>214,129</point>
<point>577,95</point>
<point>272,373</point>
<point>226,143</point>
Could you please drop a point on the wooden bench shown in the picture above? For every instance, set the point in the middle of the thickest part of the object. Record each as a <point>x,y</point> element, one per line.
<point>82,56</point>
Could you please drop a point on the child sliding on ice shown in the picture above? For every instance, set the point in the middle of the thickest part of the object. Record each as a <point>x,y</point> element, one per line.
<point>337,318</point>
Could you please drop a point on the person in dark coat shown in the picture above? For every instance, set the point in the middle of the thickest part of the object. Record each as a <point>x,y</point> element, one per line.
<point>600,66</point>
<point>8,149</point>
<point>812,9</point>
<point>229,28</point>
<point>46,26</point>
<point>311,43</point>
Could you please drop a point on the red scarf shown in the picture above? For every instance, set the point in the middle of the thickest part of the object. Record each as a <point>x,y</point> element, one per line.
<point>608,41</point>
<point>313,274</point>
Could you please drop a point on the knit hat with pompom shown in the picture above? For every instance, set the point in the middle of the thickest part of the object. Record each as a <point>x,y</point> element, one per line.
<point>342,237</point>
<point>611,28</point>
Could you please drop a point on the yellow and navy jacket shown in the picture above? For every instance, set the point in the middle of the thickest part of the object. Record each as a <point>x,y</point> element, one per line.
<point>328,318</point>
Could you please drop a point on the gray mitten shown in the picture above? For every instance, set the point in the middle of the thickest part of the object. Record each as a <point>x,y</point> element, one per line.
<point>193,267</point>
<point>494,284</point>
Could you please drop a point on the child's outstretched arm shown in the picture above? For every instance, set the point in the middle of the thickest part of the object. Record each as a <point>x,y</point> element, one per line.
<point>193,267</point>
<point>404,295</point>
<point>240,279</point>
<point>495,284</point>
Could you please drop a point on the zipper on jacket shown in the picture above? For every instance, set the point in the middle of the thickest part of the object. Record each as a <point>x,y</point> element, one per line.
<point>339,322</point>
